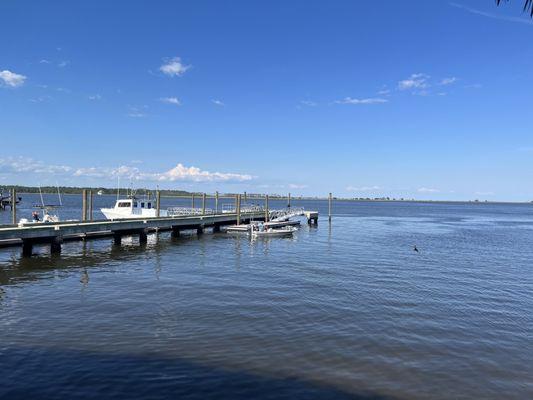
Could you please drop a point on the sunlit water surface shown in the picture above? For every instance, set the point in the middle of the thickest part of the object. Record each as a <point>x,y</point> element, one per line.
<point>346,310</point>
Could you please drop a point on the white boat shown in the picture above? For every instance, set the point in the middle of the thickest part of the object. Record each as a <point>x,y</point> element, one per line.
<point>272,232</point>
<point>100,192</point>
<point>132,208</point>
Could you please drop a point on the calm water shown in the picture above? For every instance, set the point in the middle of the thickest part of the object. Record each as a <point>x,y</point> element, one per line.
<point>346,310</point>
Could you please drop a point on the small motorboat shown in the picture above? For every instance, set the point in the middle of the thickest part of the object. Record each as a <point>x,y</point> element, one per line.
<point>261,231</point>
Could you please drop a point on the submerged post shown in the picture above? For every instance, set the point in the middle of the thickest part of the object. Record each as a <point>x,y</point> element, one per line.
<point>238,209</point>
<point>329,207</point>
<point>14,206</point>
<point>216,202</point>
<point>91,199</point>
<point>203,204</point>
<point>84,205</point>
<point>266,208</point>
<point>158,209</point>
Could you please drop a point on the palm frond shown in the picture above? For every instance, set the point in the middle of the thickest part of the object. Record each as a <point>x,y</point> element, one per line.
<point>528,6</point>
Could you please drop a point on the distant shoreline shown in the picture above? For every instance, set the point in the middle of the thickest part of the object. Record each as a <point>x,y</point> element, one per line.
<point>70,190</point>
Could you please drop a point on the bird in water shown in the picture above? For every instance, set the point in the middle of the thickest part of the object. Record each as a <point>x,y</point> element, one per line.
<point>415,249</point>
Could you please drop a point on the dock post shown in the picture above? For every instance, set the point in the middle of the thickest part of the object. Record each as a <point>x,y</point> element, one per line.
<point>216,228</point>
<point>143,237</point>
<point>238,209</point>
<point>203,204</point>
<point>200,230</point>
<point>245,198</point>
<point>27,248</point>
<point>289,201</point>
<point>175,232</point>
<point>14,206</point>
<point>216,202</point>
<point>192,201</point>
<point>91,200</point>
<point>158,209</point>
<point>84,205</point>
<point>266,209</point>
<point>117,238</point>
<point>329,207</point>
<point>55,245</point>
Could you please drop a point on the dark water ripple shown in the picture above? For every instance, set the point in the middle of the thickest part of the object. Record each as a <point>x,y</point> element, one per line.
<point>340,311</point>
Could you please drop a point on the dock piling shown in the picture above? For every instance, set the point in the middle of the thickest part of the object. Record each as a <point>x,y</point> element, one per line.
<point>158,202</point>
<point>14,206</point>
<point>329,207</point>
<point>192,201</point>
<point>266,209</point>
<point>203,204</point>
<point>216,202</point>
<point>289,201</point>
<point>84,205</point>
<point>238,209</point>
<point>91,200</point>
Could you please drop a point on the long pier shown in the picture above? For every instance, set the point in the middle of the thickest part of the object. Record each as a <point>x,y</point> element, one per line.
<point>56,233</point>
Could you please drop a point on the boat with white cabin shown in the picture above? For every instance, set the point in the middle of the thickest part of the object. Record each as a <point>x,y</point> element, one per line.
<point>132,208</point>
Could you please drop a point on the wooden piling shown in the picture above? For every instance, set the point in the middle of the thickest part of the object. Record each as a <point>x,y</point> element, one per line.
<point>91,208</point>
<point>329,207</point>
<point>14,206</point>
<point>266,209</point>
<point>216,202</point>
<point>192,201</point>
<point>245,198</point>
<point>203,204</point>
<point>84,205</point>
<point>238,209</point>
<point>158,202</point>
<point>289,201</point>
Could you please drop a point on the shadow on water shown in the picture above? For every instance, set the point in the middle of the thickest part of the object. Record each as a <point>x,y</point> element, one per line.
<point>66,374</point>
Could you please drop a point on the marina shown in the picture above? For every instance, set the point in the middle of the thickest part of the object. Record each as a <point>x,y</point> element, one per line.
<point>141,217</point>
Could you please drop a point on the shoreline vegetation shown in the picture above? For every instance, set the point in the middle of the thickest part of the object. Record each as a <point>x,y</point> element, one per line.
<point>74,190</point>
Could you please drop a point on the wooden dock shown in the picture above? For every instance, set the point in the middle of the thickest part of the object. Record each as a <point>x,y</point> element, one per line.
<point>55,234</point>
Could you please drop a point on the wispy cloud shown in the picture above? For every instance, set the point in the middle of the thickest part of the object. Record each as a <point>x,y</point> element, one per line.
<point>373,100</point>
<point>415,81</point>
<point>485,193</point>
<point>137,111</point>
<point>494,16</point>
<point>12,79</point>
<point>44,61</point>
<point>95,97</point>
<point>362,188</point>
<point>171,100</point>
<point>428,190</point>
<point>309,103</point>
<point>63,64</point>
<point>18,165</point>
<point>174,67</point>
<point>448,81</point>
<point>297,186</point>
<point>218,102</point>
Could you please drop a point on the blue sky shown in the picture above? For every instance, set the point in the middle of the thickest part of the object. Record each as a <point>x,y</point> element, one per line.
<point>416,99</point>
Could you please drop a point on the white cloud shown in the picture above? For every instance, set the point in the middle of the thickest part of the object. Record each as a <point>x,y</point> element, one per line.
<point>43,61</point>
<point>12,79</point>
<point>485,193</point>
<point>384,92</point>
<point>218,102</point>
<point>174,67</point>
<point>137,112</point>
<point>95,97</point>
<point>428,190</point>
<point>373,100</point>
<point>63,64</point>
<point>415,81</point>
<point>170,100</point>
<point>362,188</point>
<point>309,103</point>
<point>178,173</point>
<point>15,165</point>
<point>448,81</point>
<point>183,173</point>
